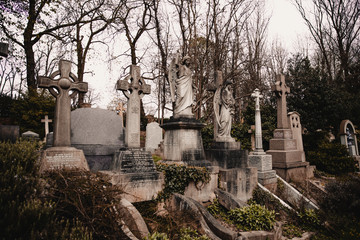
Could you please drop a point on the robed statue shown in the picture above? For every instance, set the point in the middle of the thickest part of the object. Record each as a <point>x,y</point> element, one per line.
<point>224,103</point>
<point>181,86</point>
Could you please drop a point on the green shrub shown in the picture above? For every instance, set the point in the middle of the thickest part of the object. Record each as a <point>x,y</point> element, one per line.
<point>157,236</point>
<point>310,219</point>
<point>207,134</point>
<point>332,158</point>
<point>191,234</point>
<point>253,217</point>
<point>178,177</point>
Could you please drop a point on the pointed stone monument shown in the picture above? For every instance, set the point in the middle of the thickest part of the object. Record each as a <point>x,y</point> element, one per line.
<point>133,168</point>
<point>258,158</point>
<point>287,159</point>
<point>63,85</point>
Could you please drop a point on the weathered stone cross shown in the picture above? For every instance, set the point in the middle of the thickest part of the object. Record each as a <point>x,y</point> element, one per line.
<point>63,89</point>
<point>281,90</point>
<point>258,133</point>
<point>46,120</point>
<point>133,91</point>
<point>119,109</point>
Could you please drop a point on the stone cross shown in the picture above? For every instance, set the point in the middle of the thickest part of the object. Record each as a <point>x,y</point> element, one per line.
<point>258,134</point>
<point>281,90</point>
<point>218,83</point>
<point>119,109</point>
<point>46,120</point>
<point>133,91</point>
<point>63,89</point>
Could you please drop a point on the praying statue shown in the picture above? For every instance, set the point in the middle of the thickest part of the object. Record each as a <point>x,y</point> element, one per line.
<point>181,82</point>
<point>224,103</point>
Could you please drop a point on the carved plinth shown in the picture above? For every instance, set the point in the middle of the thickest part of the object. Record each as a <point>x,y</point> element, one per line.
<point>263,163</point>
<point>56,158</point>
<point>134,170</point>
<point>183,142</point>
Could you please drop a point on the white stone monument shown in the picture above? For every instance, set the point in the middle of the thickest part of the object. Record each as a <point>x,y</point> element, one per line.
<point>258,158</point>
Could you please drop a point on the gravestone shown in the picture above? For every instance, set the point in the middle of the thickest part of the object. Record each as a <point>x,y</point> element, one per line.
<point>295,126</point>
<point>4,49</point>
<point>99,133</point>
<point>29,135</point>
<point>133,168</point>
<point>348,138</point>
<point>287,160</point>
<point>133,91</point>
<point>258,158</point>
<point>9,133</point>
<point>63,85</point>
<point>153,136</point>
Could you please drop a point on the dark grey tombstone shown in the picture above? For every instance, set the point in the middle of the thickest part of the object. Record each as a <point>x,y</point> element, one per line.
<point>29,135</point>
<point>9,132</point>
<point>99,133</point>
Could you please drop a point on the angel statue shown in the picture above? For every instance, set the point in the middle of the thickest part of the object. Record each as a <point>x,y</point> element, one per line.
<point>180,79</point>
<point>224,103</point>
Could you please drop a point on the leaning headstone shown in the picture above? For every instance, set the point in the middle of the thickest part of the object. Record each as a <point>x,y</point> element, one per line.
<point>287,159</point>
<point>348,138</point>
<point>29,135</point>
<point>153,136</point>
<point>258,158</point>
<point>295,126</point>
<point>63,85</point>
<point>99,133</point>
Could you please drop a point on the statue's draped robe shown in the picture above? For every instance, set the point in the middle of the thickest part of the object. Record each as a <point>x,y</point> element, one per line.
<point>227,102</point>
<point>184,91</point>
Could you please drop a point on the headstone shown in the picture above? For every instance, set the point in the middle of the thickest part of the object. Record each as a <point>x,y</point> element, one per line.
<point>348,137</point>
<point>120,111</point>
<point>288,161</point>
<point>4,49</point>
<point>46,120</point>
<point>258,158</point>
<point>99,133</point>
<point>133,91</point>
<point>295,126</point>
<point>30,136</point>
<point>9,133</point>
<point>252,132</point>
<point>63,85</point>
<point>153,136</point>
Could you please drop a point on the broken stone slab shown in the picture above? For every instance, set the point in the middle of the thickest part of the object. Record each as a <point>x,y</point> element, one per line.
<point>228,200</point>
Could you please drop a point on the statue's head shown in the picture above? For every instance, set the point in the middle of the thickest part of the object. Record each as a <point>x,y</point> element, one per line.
<point>186,60</point>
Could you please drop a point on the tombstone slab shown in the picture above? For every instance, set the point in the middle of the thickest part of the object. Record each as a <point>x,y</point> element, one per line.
<point>9,132</point>
<point>153,136</point>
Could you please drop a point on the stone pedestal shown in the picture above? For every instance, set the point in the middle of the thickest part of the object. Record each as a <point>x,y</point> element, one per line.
<point>134,170</point>
<point>287,160</point>
<point>235,174</point>
<point>263,163</point>
<point>63,157</point>
<point>183,142</point>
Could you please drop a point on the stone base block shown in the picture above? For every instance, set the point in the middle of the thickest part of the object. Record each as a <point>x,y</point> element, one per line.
<point>239,181</point>
<point>55,158</point>
<point>226,145</point>
<point>282,144</point>
<point>295,171</point>
<point>283,134</point>
<point>205,192</point>
<point>261,162</point>
<point>138,186</point>
<point>228,158</point>
<point>285,156</point>
<point>183,141</point>
<point>267,177</point>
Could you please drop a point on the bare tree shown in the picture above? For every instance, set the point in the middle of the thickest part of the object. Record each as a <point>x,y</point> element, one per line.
<point>334,26</point>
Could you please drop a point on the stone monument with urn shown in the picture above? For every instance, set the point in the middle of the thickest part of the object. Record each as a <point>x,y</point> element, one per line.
<point>64,86</point>
<point>287,159</point>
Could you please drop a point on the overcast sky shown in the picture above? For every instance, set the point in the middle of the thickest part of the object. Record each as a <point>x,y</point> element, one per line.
<point>285,24</point>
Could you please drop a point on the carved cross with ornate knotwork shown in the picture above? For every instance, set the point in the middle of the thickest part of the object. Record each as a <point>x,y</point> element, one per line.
<point>281,90</point>
<point>63,89</point>
<point>134,88</point>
